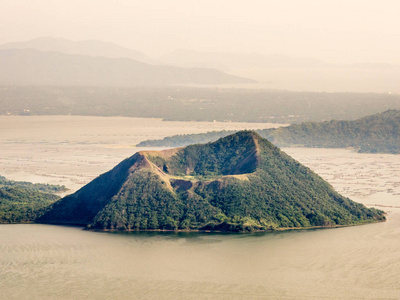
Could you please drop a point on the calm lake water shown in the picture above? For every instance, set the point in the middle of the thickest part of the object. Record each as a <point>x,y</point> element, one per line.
<point>56,262</point>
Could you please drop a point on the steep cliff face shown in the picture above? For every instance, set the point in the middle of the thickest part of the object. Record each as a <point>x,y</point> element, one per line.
<point>239,183</point>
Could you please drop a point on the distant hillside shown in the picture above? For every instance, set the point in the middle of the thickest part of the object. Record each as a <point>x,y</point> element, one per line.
<point>33,67</point>
<point>377,133</point>
<point>239,183</point>
<point>23,202</point>
<point>193,104</point>
<point>89,47</point>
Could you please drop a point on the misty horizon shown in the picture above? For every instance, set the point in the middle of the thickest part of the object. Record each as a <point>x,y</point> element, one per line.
<point>41,59</point>
<point>160,59</point>
<point>339,32</point>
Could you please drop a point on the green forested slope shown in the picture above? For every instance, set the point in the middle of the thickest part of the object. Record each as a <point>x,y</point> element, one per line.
<point>23,202</point>
<point>377,133</point>
<point>239,183</point>
<point>181,140</point>
<point>37,187</point>
<point>21,205</point>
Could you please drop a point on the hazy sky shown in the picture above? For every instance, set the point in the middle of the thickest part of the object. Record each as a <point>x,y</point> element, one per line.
<point>335,31</point>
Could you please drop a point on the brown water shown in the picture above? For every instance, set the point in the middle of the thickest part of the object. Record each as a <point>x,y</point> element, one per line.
<point>72,150</point>
<point>55,262</point>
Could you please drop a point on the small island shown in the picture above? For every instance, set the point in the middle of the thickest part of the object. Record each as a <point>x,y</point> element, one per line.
<point>240,183</point>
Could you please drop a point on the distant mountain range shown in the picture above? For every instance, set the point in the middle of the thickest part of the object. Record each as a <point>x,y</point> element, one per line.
<point>376,133</point>
<point>91,48</point>
<point>59,62</point>
<point>239,183</point>
<point>273,71</point>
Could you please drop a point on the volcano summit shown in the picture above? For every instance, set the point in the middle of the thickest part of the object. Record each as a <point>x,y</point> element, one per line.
<point>241,182</point>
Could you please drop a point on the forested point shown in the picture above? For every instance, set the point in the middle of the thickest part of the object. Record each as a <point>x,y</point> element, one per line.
<point>20,205</point>
<point>379,133</point>
<point>37,187</point>
<point>23,202</point>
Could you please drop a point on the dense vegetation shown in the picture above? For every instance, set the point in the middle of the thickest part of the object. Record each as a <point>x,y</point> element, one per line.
<point>239,183</point>
<point>36,187</point>
<point>234,155</point>
<point>377,133</point>
<point>23,202</point>
<point>20,205</point>
<point>181,140</point>
<point>193,104</point>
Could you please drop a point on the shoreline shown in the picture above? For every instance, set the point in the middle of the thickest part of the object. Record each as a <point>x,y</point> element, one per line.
<point>281,229</point>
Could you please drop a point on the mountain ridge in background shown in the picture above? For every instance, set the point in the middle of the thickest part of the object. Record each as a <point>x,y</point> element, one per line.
<point>33,67</point>
<point>86,47</point>
<point>270,71</point>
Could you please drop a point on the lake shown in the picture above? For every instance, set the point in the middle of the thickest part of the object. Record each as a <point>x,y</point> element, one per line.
<point>59,262</point>
<point>72,150</point>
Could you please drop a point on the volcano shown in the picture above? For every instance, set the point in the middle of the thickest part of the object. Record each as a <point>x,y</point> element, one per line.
<point>239,183</point>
